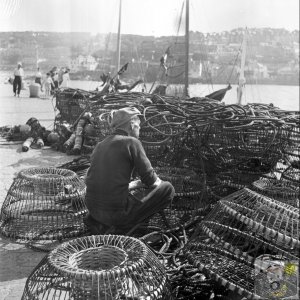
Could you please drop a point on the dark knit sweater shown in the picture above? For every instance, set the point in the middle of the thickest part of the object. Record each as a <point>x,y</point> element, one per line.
<point>112,164</point>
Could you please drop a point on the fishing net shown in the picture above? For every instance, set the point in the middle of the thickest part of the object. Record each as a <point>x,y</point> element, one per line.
<point>44,204</point>
<point>99,267</point>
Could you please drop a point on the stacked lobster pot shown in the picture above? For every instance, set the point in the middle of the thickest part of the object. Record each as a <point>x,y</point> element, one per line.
<point>71,103</point>
<point>99,267</point>
<point>244,147</point>
<point>189,200</point>
<point>286,189</point>
<point>158,132</point>
<point>73,106</point>
<point>44,204</point>
<point>250,244</point>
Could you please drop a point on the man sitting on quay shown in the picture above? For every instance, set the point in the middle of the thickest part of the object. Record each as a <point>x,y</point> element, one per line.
<point>111,198</point>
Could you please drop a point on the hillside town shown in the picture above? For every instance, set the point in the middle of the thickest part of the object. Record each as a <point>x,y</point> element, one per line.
<point>272,55</point>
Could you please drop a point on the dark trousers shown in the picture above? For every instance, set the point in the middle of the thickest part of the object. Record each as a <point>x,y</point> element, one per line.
<point>141,204</point>
<point>38,80</point>
<point>17,84</point>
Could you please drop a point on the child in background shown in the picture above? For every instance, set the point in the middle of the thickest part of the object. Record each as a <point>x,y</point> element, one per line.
<point>49,84</point>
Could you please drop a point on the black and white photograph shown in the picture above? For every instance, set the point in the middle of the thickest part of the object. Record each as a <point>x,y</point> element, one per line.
<point>149,150</point>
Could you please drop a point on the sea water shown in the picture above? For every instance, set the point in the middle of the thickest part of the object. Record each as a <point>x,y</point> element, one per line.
<point>15,111</point>
<point>284,96</point>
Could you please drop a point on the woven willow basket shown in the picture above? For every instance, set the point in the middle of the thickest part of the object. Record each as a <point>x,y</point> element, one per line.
<point>186,182</point>
<point>270,219</point>
<point>106,267</point>
<point>44,204</point>
<point>292,175</point>
<point>237,273</point>
<point>239,230</point>
<point>190,188</point>
<point>281,190</point>
<point>293,155</point>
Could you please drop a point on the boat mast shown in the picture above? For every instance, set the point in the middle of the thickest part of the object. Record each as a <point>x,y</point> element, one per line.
<point>187,44</point>
<point>119,37</point>
<point>242,79</point>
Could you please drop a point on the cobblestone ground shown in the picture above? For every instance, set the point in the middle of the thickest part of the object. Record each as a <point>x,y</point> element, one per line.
<point>17,261</point>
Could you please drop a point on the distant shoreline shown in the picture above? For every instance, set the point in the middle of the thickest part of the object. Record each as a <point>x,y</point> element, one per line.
<point>88,76</point>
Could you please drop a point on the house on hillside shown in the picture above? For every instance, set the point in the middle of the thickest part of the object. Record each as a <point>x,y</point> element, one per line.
<point>258,70</point>
<point>84,63</point>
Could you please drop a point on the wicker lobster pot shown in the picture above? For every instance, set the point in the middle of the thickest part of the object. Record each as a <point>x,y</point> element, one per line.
<point>292,175</point>
<point>189,188</point>
<point>101,124</point>
<point>235,179</point>
<point>44,203</point>
<point>255,146</point>
<point>292,136</point>
<point>292,156</point>
<point>229,243</point>
<point>71,103</point>
<point>238,273</point>
<point>273,221</point>
<point>99,267</point>
<point>281,190</point>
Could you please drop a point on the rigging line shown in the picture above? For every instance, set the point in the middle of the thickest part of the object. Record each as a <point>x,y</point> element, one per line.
<point>208,76</point>
<point>222,70</point>
<point>140,65</point>
<point>179,24</point>
<point>254,88</point>
<point>234,64</point>
<point>204,49</point>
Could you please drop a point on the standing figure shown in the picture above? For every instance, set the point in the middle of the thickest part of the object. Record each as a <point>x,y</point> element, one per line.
<point>55,80</point>
<point>38,78</point>
<point>60,75</point>
<point>66,79</point>
<point>19,75</point>
<point>48,84</point>
<point>112,199</point>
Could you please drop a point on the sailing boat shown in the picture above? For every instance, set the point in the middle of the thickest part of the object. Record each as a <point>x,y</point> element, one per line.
<point>113,84</point>
<point>173,71</point>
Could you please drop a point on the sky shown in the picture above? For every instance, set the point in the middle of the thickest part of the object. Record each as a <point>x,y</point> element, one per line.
<point>145,17</point>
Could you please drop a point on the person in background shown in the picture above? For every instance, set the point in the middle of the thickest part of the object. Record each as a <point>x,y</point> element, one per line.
<point>38,78</point>
<point>55,80</point>
<point>18,78</point>
<point>112,198</point>
<point>66,79</point>
<point>48,84</point>
<point>60,75</point>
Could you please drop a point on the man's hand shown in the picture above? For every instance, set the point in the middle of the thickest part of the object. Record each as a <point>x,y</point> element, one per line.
<point>156,183</point>
<point>135,185</point>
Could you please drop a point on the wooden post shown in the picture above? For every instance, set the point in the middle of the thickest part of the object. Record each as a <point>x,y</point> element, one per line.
<point>187,44</point>
<point>119,37</point>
